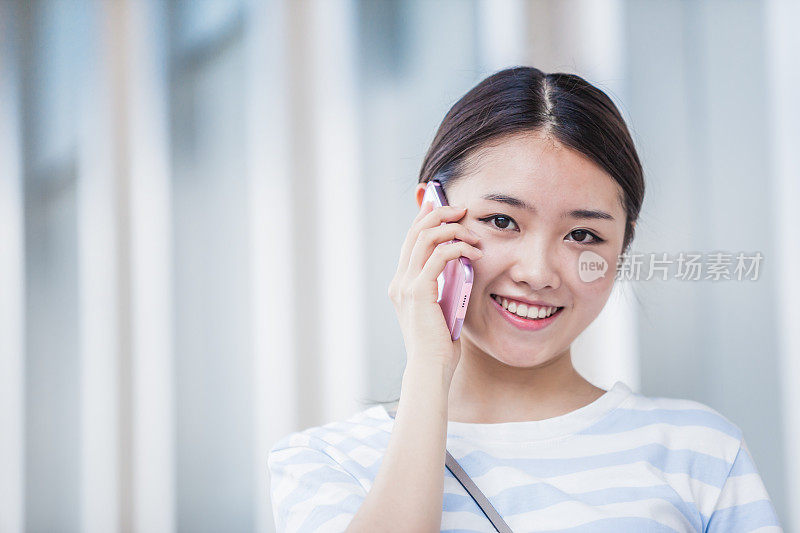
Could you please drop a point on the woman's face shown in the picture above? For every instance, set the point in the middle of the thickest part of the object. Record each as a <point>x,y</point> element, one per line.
<point>534,254</point>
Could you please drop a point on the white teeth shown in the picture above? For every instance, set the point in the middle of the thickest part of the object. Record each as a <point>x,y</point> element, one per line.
<point>524,310</point>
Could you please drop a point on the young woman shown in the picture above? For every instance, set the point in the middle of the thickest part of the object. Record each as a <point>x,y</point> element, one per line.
<point>537,168</point>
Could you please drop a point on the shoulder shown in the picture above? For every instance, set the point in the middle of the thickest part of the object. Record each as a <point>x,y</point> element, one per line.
<point>692,443</point>
<point>680,412</point>
<point>354,444</point>
<point>366,426</point>
<point>694,424</point>
<point>676,435</point>
<point>320,476</point>
<point>681,426</point>
<point>711,451</point>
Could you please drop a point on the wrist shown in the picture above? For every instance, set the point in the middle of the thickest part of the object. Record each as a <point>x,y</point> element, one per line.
<point>426,383</point>
<point>429,370</point>
<point>424,393</point>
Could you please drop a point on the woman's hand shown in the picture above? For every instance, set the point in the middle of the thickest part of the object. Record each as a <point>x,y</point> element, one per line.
<point>414,289</point>
<point>407,493</point>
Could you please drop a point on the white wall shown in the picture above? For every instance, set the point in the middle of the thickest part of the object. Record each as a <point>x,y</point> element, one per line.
<point>783,78</point>
<point>12,282</point>
<point>699,101</point>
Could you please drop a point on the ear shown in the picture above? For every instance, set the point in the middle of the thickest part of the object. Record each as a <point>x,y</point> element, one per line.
<point>419,192</point>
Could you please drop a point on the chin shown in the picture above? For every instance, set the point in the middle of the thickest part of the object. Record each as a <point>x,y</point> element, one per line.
<point>513,354</point>
<point>505,346</point>
<point>526,360</point>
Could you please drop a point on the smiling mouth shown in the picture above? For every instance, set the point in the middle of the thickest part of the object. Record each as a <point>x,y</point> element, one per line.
<point>526,312</point>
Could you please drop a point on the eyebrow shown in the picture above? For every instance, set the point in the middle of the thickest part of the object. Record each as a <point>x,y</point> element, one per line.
<point>587,214</point>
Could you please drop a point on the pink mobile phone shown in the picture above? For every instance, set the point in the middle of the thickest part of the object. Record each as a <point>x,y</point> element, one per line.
<point>455,281</point>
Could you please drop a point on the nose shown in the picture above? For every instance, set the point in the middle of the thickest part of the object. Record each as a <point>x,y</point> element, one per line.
<point>534,264</point>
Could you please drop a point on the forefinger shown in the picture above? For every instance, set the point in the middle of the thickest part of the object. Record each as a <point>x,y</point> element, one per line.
<point>442,215</point>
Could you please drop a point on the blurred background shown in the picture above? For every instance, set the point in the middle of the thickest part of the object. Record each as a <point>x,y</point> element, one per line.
<point>202,205</point>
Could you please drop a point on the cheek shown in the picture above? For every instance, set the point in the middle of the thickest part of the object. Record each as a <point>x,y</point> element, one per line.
<point>488,268</point>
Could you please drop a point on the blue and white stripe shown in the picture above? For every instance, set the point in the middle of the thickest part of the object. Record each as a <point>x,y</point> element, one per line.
<point>626,462</point>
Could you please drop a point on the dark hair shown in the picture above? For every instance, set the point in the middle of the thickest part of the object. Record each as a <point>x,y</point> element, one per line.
<point>524,100</point>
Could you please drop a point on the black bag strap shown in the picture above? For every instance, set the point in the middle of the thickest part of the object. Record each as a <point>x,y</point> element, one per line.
<point>473,490</point>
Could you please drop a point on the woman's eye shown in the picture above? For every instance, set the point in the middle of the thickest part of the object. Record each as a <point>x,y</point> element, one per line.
<point>583,236</point>
<point>501,222</point>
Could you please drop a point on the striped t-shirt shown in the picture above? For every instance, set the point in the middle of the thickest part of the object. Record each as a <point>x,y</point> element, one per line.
<point>624,462</point>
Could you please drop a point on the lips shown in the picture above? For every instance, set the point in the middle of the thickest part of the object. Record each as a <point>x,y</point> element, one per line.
<point>526,324</point>
<point>536,303</point>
